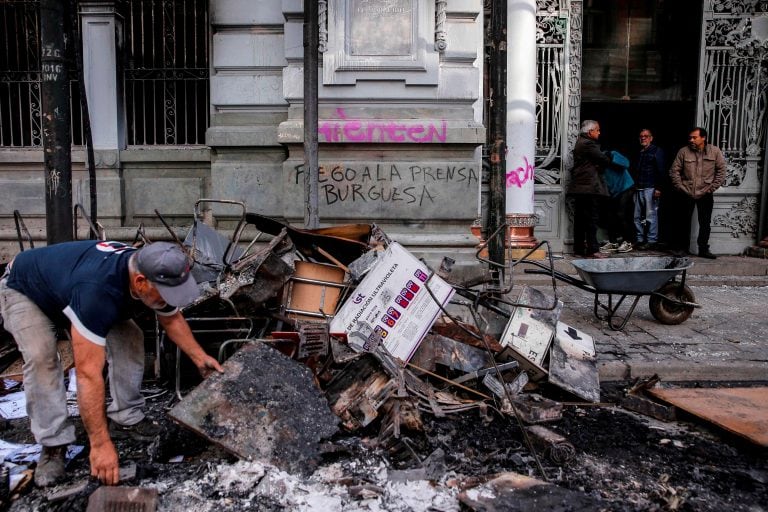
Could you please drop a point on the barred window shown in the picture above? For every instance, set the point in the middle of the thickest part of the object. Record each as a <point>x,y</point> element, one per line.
<point>20,98</point>
<point>166,71</point>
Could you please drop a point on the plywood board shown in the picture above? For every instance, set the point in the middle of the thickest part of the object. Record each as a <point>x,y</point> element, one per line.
<point>742,411</point>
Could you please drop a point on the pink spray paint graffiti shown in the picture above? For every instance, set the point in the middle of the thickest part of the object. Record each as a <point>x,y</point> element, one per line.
<point>351,130</point>
<point>520,176</point>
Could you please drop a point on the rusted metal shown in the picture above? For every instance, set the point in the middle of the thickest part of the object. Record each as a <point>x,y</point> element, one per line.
<point>741,411</point>
<point>313,339</point>
<point>263,407</point>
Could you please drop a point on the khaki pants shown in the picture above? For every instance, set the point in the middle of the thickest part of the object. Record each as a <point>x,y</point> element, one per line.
<point>44,379</point>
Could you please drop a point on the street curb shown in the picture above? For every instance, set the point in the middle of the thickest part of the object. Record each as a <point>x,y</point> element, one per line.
<point>680,371</point>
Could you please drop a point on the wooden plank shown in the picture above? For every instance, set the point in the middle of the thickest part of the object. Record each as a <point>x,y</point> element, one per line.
<point>264,407</point>
<point>741,411</point>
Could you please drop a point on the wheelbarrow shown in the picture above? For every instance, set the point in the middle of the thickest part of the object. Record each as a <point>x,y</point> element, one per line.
<point>671,301</point>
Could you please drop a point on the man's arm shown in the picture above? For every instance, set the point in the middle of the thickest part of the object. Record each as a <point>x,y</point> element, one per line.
<point>89,365</point>
<point>180,333</point>
<point>674,171</point>
<point>721,169</point>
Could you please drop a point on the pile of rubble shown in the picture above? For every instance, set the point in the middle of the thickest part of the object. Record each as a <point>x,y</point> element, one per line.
<point>359,378</point>
<point>384,338</point>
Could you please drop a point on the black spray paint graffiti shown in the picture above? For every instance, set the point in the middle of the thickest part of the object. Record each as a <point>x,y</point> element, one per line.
<point>388,183</point>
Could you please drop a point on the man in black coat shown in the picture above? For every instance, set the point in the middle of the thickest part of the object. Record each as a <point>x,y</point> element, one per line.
<point>588,189</point>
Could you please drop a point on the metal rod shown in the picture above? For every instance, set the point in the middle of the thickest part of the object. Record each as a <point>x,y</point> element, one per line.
<point>311,164</point>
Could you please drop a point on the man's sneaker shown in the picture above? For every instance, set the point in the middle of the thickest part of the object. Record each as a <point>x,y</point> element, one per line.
<point>145,430</point>
<point>50,466</point>
<point>608,248</point>
<point>624,247</point>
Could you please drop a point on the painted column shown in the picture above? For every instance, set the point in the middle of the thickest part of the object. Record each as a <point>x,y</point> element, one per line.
<point>521,121</point>
<point>98,21</point>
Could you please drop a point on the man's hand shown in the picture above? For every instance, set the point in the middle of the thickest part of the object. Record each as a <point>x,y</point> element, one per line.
<point>104,463</point>
<point>207,365</point>
<point>179,332</point>
<point>656,193</point>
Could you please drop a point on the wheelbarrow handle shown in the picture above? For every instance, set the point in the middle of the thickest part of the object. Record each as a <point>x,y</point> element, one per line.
<point>578,283</point>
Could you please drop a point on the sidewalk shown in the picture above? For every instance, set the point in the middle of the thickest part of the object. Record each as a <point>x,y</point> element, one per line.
<point>724,340</point>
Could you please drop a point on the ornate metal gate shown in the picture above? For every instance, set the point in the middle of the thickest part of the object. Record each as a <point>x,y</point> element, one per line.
<point>733,94</point>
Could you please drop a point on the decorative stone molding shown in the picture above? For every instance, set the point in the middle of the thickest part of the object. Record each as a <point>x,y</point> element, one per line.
<point>441,36</point>
<point>741,219</point>
<point>381,40</point>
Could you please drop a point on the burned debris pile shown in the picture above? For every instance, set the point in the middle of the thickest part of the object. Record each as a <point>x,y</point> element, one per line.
<point>348,312</point>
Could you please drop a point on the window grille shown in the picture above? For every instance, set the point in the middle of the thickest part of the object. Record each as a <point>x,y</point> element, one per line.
<point>166,71</point>
<point>20,97</point>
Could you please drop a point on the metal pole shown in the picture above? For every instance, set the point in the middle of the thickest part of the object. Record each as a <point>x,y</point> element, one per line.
<point>311,165</point>
<point>498,132</point>
<point>57,140</point>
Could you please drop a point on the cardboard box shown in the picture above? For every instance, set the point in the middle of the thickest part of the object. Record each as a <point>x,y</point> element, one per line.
<point>392,305</point>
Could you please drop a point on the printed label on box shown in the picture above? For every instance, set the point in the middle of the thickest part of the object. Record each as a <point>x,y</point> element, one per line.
<point>392,305</point>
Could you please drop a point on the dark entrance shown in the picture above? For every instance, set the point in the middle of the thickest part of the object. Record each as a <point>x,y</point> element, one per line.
<point>640,70</point>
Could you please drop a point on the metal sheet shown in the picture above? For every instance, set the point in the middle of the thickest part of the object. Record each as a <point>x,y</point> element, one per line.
<point>742,411</point>
<point>264,407</point>
<point>572,363</point>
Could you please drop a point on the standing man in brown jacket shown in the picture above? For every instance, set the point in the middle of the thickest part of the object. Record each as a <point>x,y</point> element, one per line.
<point>697,171</point>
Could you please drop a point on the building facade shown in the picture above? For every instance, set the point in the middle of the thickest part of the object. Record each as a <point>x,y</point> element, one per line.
<point>192,99</point>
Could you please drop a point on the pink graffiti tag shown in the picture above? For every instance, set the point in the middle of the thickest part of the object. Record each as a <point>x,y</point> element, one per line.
<point>520,176</point>
<point>352,130</point>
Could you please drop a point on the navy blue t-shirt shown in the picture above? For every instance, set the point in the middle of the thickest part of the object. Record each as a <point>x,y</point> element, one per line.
<point>85,282</point>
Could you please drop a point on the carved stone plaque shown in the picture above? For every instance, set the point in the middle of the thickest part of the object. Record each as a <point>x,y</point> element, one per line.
<point>381,27</point>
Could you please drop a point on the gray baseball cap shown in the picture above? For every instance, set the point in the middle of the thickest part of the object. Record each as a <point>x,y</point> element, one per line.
<point>168,268</point>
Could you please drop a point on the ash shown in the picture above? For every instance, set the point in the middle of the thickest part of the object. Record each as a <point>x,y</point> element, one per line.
<point>624,462</point>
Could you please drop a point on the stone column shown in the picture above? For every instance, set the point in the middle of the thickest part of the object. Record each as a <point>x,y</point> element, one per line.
<point>521,121</point>
<point>98,21</point>
<point>100,26</point>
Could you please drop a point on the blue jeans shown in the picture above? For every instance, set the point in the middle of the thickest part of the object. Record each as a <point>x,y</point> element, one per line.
<point>44,379</point>
<point>646,214</point>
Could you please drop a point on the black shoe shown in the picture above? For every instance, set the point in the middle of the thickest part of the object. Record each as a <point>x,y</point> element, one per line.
<point>642,246</point>
<point>50,466</point>
<point>705,253</point>
<point>145,430</point>
<point>678,253</point>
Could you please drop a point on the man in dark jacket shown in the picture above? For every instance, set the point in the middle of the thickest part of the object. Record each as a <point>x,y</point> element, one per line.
<point>588,189</point>
<point>697,171</point>
<point>94,288</point>
<point>648,171</point>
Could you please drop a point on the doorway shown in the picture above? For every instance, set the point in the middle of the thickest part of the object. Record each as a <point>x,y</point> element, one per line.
<point>640,70</point>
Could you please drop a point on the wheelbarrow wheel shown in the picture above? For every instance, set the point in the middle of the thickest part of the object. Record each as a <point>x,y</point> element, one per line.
<point>666,311</point>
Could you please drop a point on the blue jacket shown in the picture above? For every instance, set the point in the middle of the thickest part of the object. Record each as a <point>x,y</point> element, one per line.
<point>648,170</point>
<point>618,181</point>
